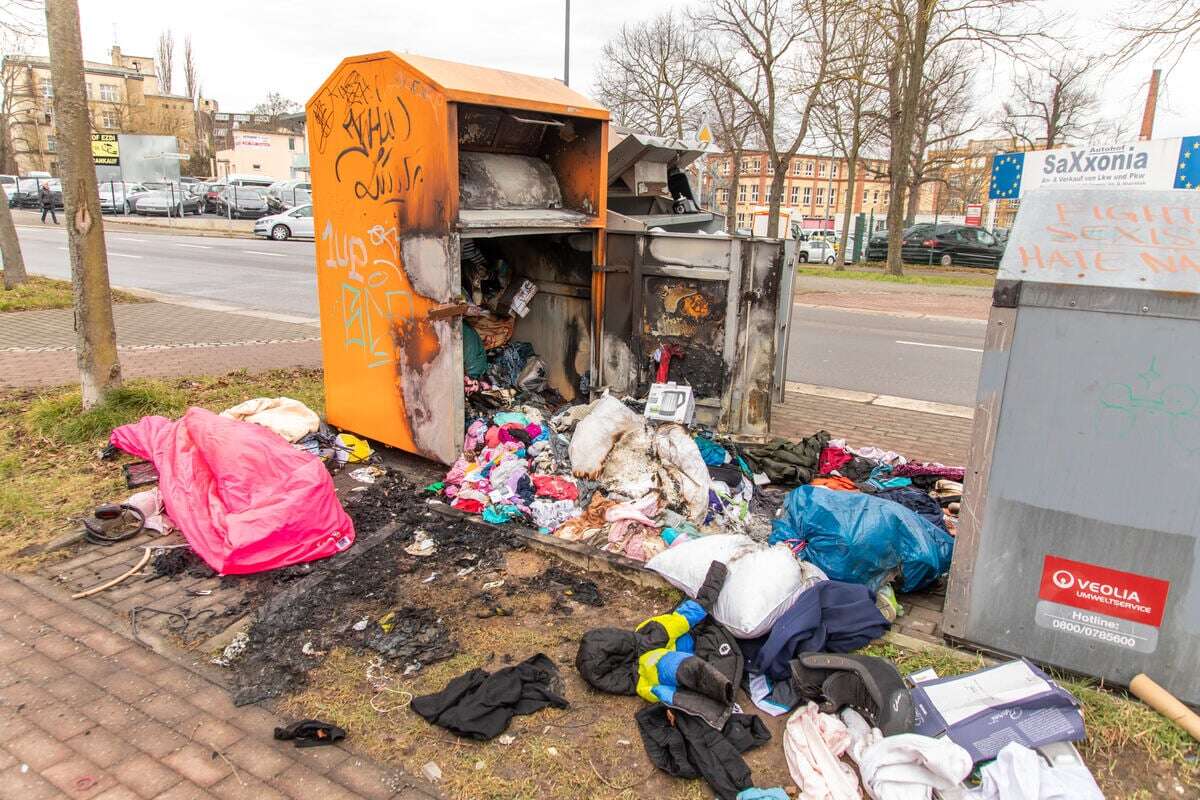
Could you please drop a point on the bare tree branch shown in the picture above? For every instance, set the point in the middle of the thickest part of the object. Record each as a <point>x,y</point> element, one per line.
<point>166,60</point>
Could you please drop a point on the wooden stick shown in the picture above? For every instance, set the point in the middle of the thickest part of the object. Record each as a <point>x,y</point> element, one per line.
<point>109,584</point>
<point>1165,703</point>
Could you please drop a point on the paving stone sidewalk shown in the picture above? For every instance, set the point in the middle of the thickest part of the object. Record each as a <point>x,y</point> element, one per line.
<point>89,713</point>
<point>915,434</point>
<point>154,339</point>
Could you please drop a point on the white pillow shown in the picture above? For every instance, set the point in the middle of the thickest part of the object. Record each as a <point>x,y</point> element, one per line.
<point>763,581</point>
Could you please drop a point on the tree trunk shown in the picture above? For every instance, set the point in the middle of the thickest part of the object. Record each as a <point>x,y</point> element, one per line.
<point>912,63</point>
<point>735,176</point>
<point>10,248</point>
<point>851,173</point>
<point>775,199</point>
<point>96,337</point>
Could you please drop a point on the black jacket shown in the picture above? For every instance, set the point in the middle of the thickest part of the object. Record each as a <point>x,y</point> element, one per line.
<point>46,197</point>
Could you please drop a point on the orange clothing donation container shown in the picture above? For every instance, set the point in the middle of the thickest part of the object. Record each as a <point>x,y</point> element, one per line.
<point>411,157</point>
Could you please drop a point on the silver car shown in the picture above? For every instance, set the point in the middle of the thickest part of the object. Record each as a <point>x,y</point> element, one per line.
<point>280,227</point>
<point>119,197</point>
<point>172,201</point>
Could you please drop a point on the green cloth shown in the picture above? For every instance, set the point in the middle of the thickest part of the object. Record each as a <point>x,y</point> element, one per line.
<point>785,462</point>
<point>475,362</point>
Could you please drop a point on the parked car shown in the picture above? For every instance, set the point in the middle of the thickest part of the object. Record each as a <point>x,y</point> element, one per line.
<point>948,245</point>
<point>297,222</point>
<point>118,197</point>
<point>9,182</point>
<point>877,245</point>
<point>27,193</point>
<point>244,202</point>
<point>172,201</point>
<point>260,181</point>
<point>211,191</point>
<point>816,251</point>
<point>283,195</point>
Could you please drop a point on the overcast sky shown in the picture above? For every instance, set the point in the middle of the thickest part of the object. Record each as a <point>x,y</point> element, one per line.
<point>245,49</point>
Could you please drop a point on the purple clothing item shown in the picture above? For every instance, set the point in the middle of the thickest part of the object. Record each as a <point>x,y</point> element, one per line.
<point>912,470</point>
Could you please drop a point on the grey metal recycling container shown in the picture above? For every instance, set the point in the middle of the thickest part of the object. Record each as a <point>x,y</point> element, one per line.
<point>1078,542</point>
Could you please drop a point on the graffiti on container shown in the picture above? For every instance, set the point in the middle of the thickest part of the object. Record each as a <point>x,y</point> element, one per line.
<point>370,302</point>
<point>353,89</point>
<point>1154,410</point>
<point>323,115</point>
<point>373,130</point>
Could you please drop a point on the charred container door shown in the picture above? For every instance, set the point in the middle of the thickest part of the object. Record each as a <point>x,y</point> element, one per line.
<point>383,211</point>
<point>712,299</point>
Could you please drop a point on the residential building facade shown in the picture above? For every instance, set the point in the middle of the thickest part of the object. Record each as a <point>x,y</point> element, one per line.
<point>123,97</point>
<point>275,154</point>
<point>814,189</point>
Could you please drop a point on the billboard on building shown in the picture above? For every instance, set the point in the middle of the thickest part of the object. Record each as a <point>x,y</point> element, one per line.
<point>1155,164</point>
<point>251,140</point>
<point>142,157</point>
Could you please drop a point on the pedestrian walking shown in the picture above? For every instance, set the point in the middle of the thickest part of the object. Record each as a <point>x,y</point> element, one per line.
<point>47,203</point>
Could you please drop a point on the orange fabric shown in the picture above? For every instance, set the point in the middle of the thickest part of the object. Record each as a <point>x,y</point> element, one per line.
<point>836,482</point>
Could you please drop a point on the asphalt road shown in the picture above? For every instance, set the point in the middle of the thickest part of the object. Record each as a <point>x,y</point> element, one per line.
<point>922,359</point>
<point>251,273</point>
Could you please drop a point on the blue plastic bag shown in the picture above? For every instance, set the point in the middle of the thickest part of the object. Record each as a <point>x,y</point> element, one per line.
<point>859,538</point>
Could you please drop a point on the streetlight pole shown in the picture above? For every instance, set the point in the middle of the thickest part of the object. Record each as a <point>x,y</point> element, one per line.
<point>567,45</point>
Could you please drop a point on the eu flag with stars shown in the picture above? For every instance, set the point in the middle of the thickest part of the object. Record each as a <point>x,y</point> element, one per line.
<point>1187,171</point>
<point>1006,176</point>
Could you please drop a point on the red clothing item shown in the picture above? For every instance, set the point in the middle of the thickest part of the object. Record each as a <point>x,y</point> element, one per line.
<point>832,458</point>
<point>555,487</point>
<point>469,505</point>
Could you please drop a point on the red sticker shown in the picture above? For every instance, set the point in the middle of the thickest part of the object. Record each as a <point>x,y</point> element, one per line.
<point>1127,595</point>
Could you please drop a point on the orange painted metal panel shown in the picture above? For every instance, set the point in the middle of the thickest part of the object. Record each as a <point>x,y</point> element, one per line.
<point>384,203</point>
<point>466,83</point>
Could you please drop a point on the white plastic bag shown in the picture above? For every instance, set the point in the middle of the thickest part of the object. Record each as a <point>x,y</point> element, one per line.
<point>763,581</point>
<point>597,432</point>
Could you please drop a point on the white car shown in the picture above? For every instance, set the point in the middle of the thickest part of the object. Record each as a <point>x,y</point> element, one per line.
<point>296,222</point>
<point>816,251</point>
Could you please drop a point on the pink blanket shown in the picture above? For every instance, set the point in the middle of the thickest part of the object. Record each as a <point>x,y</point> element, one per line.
<point>245,499</point>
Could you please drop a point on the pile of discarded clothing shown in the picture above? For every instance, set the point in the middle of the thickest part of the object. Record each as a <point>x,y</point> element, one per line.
<point>903,742</point>
<point>600,474</point>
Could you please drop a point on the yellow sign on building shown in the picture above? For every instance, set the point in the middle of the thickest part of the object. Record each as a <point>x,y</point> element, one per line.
<point>106,150</point>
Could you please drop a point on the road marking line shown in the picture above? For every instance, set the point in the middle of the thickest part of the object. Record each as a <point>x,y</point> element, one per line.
<point>941,346</point>
<point>128,239</point>
<point>884,400</point>
<point>197,246</point>
<point>264,253</point>
<point>110,252</point>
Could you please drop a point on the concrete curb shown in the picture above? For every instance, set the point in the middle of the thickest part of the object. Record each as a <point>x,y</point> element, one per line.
<point>212,305</point>
<point>900,314</point>
<point>883,400</point>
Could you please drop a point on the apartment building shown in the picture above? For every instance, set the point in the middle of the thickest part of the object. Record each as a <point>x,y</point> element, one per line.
<point>814,189</point>
<point>124,96</point>
<point>961,176</point>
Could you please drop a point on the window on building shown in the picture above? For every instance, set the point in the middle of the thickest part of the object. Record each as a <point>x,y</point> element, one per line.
<point>723,197</point>
<point>91,92</point>
<point>770,167</point>
<point>256,166</point>
<point>885,197</point>
<point>796,167</point>
<point>833,169</point>
<point>821,169</point>
<point>47,88</point>
<point>742,193</point>
<point>741,220</point>
<point>53,166</point>
<point>866,196</point>
<point>875,197</point>
<point>795,195</point>
<point>110,93</point>
<point>820,195</point>
<point>725,167</point>
<point>808,168</point>
<point>833,197</point>
<point>745,165</point>
<point>51,144</point>
<point>291,143</point>
<point>110,119</point>
<point>807,195</point>
<point>754,193</point>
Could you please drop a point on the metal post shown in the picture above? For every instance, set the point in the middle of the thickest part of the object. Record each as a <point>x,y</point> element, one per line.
<point>829,189</point>
<point>567,45</point>
<point>171,208</point>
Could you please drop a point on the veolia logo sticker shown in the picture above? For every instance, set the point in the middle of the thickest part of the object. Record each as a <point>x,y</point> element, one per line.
<point>1103,605</point>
